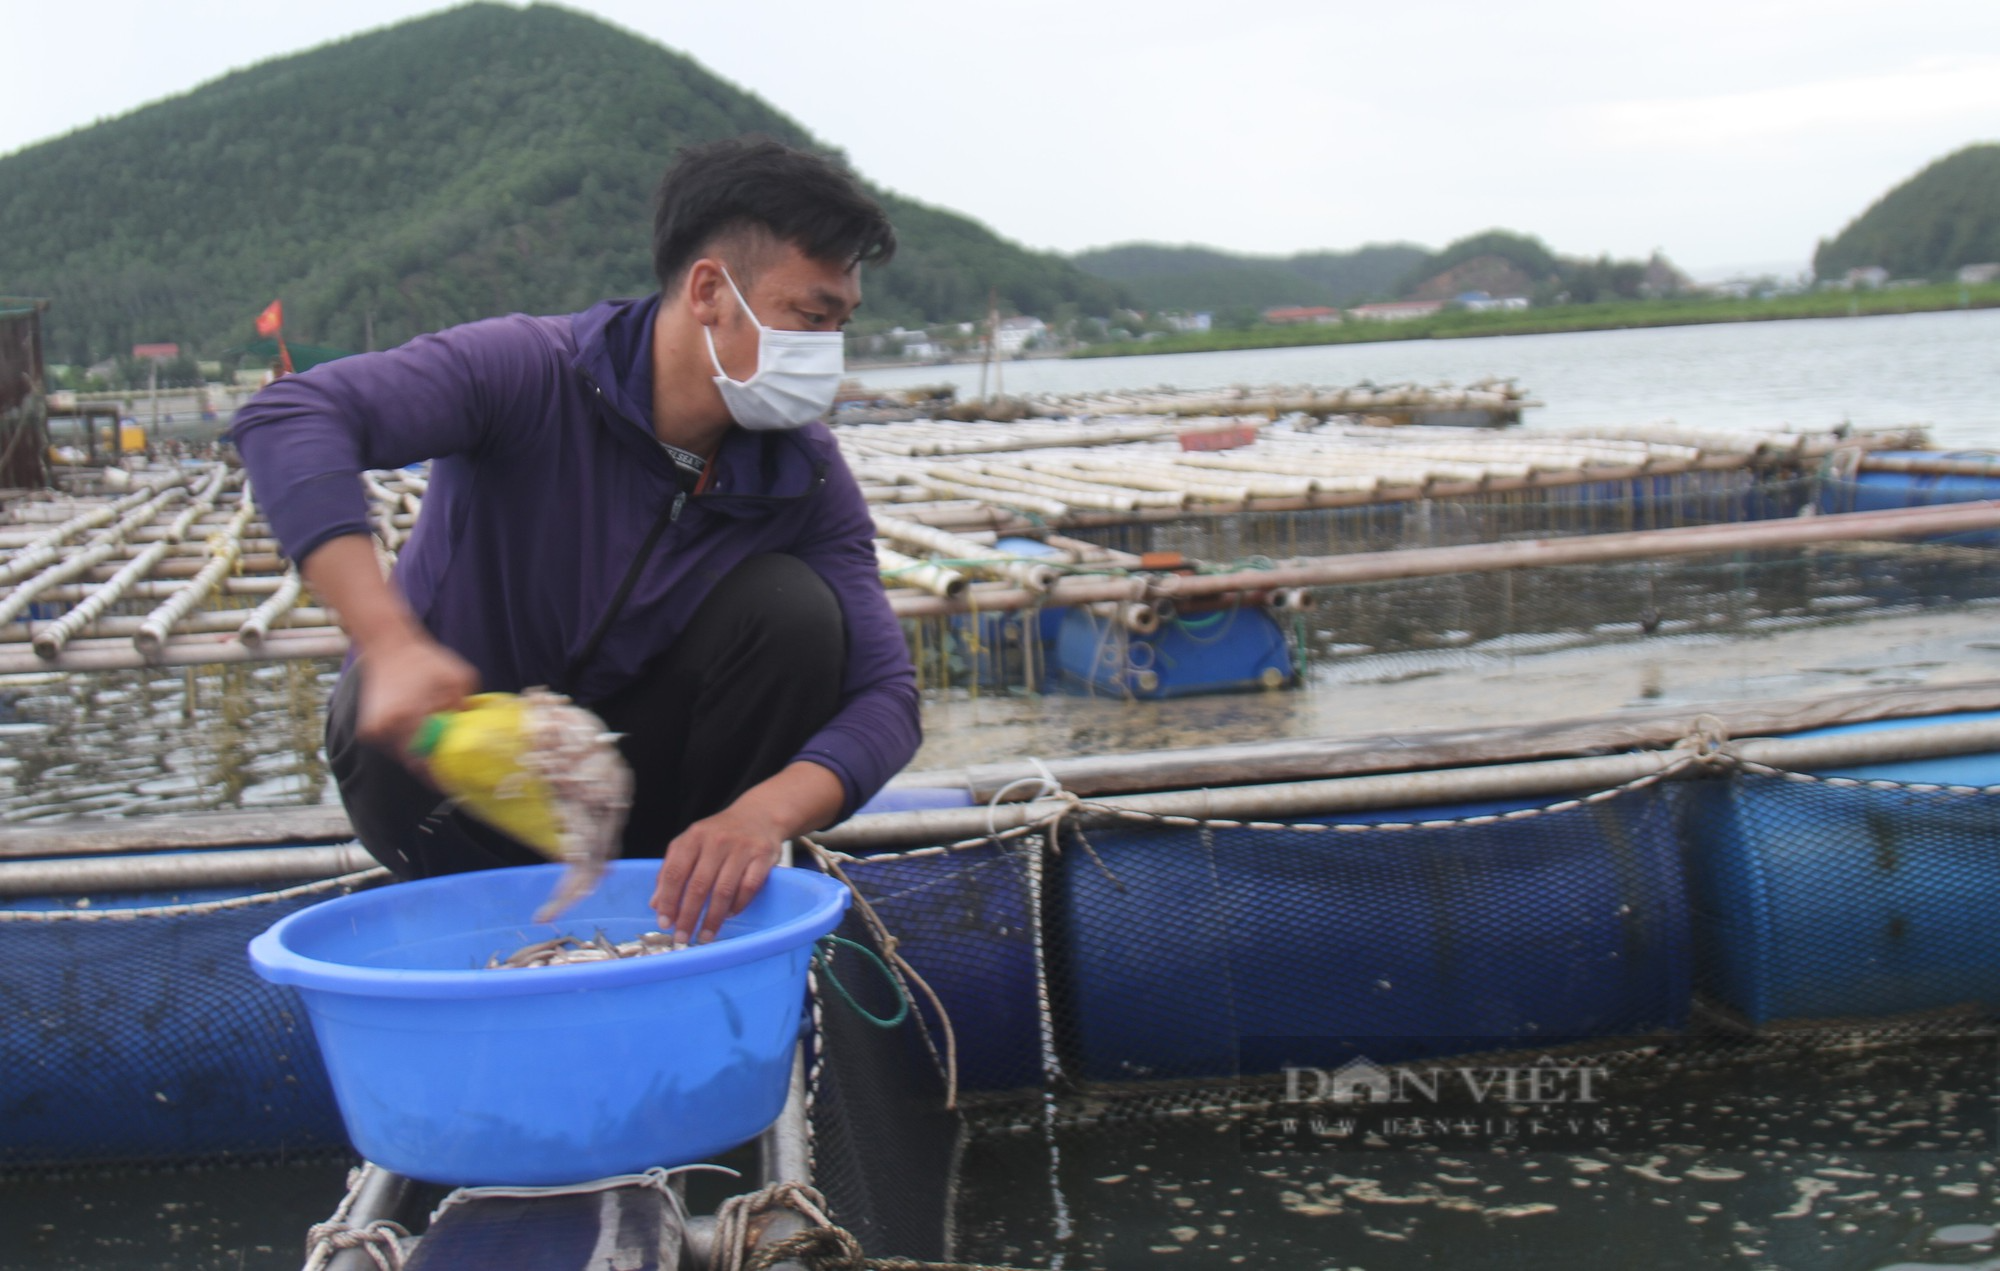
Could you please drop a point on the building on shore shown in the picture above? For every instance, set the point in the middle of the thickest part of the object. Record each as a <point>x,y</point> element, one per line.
<point>915,346</point>
<point>1481,302</point>
<point>1395,310</point>
<point>1298,315</point>
<point>1014,335</point>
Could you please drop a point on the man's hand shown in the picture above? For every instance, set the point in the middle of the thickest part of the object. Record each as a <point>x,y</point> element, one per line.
<point>403,683</point>
<point>405,674</point>
<point>722,861</point>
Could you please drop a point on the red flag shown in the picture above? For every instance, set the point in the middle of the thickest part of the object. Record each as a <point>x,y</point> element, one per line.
<point>272,319</point>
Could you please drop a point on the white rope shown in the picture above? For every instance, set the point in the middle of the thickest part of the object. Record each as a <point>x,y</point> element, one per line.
<point>658,1178</point>
<point>382,1238</point>
<point>1047,787</point>
<point>1360,827</point>
<point>1861,783</point>
<point>195,908</point>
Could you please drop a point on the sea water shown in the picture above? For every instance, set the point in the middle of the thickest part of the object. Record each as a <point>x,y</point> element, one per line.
<point>1834,1161</point>
<point>1702,1190</point>
<point>1940,369</point>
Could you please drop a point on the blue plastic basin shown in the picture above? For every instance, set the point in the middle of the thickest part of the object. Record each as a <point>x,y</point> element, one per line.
<point>451,1073</point>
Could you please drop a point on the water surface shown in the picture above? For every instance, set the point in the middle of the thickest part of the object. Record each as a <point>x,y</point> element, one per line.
<point>1941,369</point>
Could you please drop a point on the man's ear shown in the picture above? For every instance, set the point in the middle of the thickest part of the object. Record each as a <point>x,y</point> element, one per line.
<point>702,291</point>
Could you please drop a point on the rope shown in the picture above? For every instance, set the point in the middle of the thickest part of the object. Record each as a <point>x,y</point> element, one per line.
<point>1315,827</point>
<point>659,1178</point>
<point>734,1239</point>
<point>1705,746</point>
<point>1045,1031</point>
<point>823,1246</point>
<point>823,961</point>
<point>873,921</point>
<point>195,908</point>
<point>1705,742</point>
<point>1859,783</point>
<point>319,1238</point>
<point>382,1239</point>
<point>1044,781</point>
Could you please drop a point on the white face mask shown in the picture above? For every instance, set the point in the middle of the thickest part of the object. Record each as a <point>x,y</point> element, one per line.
<point>797,375</point>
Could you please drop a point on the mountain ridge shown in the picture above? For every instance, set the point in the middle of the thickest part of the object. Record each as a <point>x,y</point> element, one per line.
<point>1945,216</point>
<point>479,160</point>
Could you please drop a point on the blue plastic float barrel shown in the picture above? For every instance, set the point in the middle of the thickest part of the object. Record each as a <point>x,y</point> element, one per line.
<point>995,645</point>
<point>1226,650</point>
<point>962,920</point>
<point>148,1040</point>
<point>915,799</point>
<point>1819,902</point>
<point>1200,953</point>
<point>1885,491</point>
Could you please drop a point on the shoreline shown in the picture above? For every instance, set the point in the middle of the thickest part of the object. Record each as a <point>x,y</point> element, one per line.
<point>1637,315</point>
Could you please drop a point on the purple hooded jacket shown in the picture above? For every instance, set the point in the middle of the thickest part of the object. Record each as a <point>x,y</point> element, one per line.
<point>545,483</point>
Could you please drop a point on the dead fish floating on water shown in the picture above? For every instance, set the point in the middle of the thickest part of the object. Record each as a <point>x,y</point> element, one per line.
<point>569,951</point>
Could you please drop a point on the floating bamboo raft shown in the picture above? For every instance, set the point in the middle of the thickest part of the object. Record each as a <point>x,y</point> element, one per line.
<point>181,569</point>
<point>1497,400</point>
<point>1488,403</point>
<point>1039,474</point>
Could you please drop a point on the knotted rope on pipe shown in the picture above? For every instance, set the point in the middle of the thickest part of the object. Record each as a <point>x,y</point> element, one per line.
<point>823,1246</point>
<point>1705,744</point>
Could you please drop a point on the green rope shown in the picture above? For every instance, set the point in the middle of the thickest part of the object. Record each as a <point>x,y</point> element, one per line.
<point>1204,624</point>
<point>822,960</point>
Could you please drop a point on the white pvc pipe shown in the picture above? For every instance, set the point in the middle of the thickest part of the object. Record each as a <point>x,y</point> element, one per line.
<point>1420,789</point>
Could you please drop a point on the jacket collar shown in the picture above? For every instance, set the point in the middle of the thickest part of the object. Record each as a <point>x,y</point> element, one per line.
<point>614,341</point>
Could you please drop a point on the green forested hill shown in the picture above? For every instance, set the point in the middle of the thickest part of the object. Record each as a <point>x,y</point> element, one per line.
<point>1946,216</point>
<point>1497,261</point>
<point>479,161</point>
<point>1161,277</point>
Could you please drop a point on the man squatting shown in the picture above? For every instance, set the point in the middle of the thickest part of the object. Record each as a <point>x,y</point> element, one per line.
<point>636,506</point>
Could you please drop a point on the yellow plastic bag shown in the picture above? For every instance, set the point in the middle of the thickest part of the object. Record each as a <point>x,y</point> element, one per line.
<point>540,769</point>
<point>476,755</point>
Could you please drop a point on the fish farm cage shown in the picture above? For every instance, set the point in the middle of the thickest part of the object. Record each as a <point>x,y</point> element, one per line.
<point>1383,1003</point>
<point>1383,1022</point>
<point>1151,555</point>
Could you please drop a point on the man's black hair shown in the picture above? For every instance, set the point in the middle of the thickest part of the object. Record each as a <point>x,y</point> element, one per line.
<point>748,183</point>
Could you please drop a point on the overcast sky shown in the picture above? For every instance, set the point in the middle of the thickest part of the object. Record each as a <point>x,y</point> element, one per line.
<point>1728,133</point>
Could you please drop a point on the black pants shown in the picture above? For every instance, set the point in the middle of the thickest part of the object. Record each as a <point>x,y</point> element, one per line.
<point>755,674</point>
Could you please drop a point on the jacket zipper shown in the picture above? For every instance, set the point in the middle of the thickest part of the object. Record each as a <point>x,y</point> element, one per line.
<point>668,515</point>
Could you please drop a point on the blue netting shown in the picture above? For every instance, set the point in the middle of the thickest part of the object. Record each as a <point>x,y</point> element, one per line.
<point>150,1040</point>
